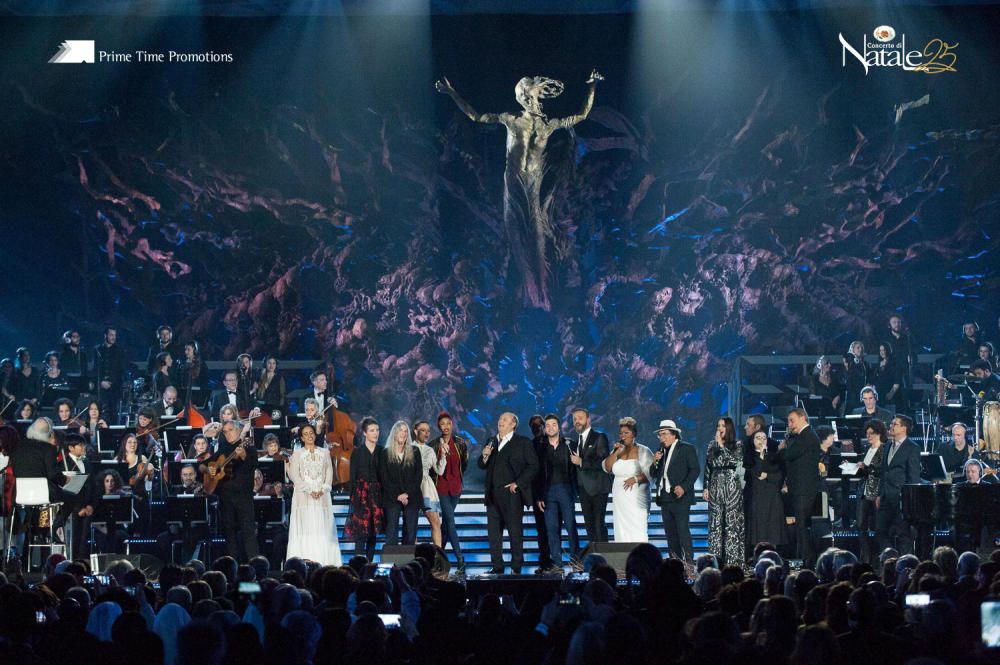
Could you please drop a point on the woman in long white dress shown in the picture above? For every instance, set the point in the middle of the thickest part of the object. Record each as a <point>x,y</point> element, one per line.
<point>311,532</point>
<point>629,462</point>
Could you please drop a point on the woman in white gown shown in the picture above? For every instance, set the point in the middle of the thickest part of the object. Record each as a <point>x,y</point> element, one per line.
<point>629,462</point>
<point>311,532</point>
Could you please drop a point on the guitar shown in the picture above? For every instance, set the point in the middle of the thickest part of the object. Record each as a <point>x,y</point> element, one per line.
<point>211,482</point>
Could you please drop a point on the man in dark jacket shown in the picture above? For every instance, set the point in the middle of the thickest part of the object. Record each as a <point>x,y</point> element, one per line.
<point>510,463</point>
<point>591,448</point>
<point>555,491</point>
<point>800,453</point>
<point>674,472</point>
<point>900,466</point>
<point>236,509</point>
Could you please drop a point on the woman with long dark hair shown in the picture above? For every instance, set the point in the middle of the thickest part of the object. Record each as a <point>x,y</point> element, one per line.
<point>724,493</point>
<point>271,386</point>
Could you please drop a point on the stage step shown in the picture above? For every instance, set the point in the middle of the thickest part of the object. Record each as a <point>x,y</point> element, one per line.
<point>470,519</point>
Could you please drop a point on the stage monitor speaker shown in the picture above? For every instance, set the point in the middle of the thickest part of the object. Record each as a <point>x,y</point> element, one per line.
<point>147,563</point>
<point>397,554</point>
<point>615,553</point>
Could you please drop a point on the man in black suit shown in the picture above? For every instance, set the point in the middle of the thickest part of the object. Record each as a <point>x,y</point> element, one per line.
<point>800,453</point>
<point>164,344</point>
<point>900,466</point>
<point>321,392</point>
<point>36,457</point>
<point>675,470</point>
<point>78,508</point>
<point>109,373</point>
<point>228,395</point>
<point>166,407</point>
<point>555,490</point>
<point>592,448</point>
<point>511,465</point>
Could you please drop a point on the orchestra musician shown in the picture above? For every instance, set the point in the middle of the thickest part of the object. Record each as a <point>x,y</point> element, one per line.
<point>164,344</point>
<point>246,384</point>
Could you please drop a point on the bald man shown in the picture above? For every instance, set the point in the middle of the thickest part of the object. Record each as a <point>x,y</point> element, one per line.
<point>511,464</point>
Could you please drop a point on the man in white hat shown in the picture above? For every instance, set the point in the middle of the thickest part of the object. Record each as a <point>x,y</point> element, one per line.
<point>675,470</point>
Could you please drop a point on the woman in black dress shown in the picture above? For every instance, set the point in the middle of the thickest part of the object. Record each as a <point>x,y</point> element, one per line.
<point>271,386</point>
<point>767,516</point>
<point>163,377</point>
<point>887,375</point>
<point>26,383</point>
<point>365,487</point>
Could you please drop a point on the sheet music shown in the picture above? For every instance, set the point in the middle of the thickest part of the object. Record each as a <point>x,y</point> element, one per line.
<point>74,482</point>
<point>849,468</point>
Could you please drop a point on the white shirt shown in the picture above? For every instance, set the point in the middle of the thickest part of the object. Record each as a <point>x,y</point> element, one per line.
<point>79,463</point>
<point>666,465</point>
<point>504,440</point>
<point>583,438</point>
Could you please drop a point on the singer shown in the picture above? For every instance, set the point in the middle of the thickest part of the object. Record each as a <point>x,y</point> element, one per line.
<point>511,464</point>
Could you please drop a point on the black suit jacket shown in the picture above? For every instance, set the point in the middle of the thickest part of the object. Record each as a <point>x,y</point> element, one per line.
<point>591,477</point>
<point>161,410</point>
<point>516,463</point>
<point>37,459</point>
<point>801,460</point>
<point>221,397</point>
<point>683,471</point>
<point>89,493</point>
<point>543,451</point>
<point>904,469</point>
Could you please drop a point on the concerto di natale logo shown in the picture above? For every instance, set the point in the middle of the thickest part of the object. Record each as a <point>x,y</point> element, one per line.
<point>883,49</point>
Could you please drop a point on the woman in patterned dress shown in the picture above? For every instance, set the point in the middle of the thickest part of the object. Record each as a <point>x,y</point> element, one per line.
<point>365,488</point>
<point>724,493</point>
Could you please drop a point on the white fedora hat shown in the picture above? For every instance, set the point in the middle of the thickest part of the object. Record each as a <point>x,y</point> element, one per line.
<point>670,425</point>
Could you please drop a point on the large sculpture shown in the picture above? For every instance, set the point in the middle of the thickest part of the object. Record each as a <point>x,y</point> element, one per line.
<point>529,182</point>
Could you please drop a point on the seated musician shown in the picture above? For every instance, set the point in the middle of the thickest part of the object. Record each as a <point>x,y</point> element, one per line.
<point>109,536</point>
<point>968,348</point>
<point>870,410</point>
<point>190,536</point>
<point>199,449</point>
<point>976,474</point>
<point>64,414</point>
<point>272,449</point>
<point>93,422</point>
<point>139,468</point>
<point>988,353</point>
<point>313,416</point>
<point>958,452</point>
<point>987,383</point>
<point>260,488</point>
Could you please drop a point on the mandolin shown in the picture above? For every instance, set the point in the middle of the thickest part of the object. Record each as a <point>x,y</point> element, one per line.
<point>210,482</point>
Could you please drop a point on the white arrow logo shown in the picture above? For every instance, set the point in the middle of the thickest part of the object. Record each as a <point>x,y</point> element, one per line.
<point>74,51</point>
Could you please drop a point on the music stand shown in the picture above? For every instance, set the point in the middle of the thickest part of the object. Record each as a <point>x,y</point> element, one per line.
<point>109,439</point>
<point>932,467</point>
<point>113,464</point>
<point>174,469</point>
<point>185,509</point>
<point>284,435</point>
<point>269,509</point>
<point>116,508</point>
<point>178,439</point>
<point>273,470</point>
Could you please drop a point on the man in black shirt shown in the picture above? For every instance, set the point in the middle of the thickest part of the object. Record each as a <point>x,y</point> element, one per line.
<point>987,384</point>
<point>555,491</point>
<point>165,344</point>
<point>235,491</point>
<point>73,357</point>
<point>109,372</point>
<point>958,452</point>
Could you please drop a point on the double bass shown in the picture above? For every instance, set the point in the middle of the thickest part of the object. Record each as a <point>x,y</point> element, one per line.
<point>340,431</point>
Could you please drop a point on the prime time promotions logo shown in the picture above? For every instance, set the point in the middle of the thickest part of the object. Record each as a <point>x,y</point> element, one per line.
<point>883,49</point>
<point>77,51</point>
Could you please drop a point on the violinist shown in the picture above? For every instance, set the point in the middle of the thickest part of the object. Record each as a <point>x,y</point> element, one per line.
<point>199,449</point>
<point>313,416</point>
<point>147,430</point>
<point>321,392</point>
<point>140,471</point>
<point>64,414</point>
<point>272,449</point>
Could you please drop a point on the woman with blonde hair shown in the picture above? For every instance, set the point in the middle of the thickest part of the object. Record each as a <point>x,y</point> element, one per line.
<point>402,472</point>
